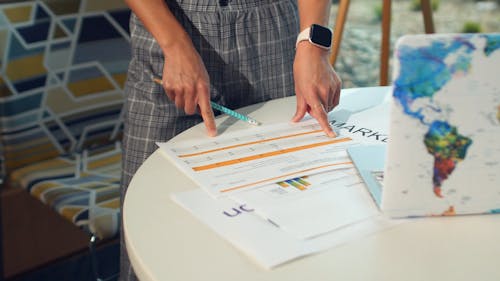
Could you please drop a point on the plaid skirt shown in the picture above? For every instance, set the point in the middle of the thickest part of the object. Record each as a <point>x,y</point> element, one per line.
<point>247,46</point>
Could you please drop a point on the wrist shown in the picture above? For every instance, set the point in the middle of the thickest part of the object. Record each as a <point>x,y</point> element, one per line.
<point>173,37</point>
<point>169,44</point>
<point>306,48</point>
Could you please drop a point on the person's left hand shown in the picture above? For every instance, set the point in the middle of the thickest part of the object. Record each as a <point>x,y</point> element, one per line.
<point>317,85</point>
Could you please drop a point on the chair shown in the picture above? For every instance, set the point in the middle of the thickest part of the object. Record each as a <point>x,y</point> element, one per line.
<point>386,33</point>
<point>61,96</point>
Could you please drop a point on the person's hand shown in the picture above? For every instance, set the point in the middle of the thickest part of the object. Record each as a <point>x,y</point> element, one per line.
<point>317,85</point>
<point>187,84</point>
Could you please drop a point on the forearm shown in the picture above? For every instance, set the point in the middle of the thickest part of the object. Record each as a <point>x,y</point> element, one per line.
<point>317,86</point>
<point>160,22</point>
<point>314,12</point>
<point>184,77</point>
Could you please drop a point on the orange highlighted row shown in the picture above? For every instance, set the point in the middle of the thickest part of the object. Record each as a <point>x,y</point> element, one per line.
<point>264,155</point>
<point>248,143</point>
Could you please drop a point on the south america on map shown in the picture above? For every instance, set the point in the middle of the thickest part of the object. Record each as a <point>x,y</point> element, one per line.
<point>447,99</point>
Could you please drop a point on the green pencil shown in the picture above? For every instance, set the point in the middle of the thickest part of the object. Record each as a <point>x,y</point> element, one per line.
<point>225,110</point>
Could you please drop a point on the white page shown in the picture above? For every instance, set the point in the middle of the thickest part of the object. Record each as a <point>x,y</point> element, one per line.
<point>278,151</point>
<point>263,242</point>
<point>335,198</point>
<point>257,156</point>
<point>314,205</point>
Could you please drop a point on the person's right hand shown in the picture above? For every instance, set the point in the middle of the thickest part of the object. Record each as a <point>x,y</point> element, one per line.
<point>186,82</point>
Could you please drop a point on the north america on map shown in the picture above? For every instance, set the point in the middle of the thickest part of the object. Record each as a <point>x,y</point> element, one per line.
<point>420,88</point>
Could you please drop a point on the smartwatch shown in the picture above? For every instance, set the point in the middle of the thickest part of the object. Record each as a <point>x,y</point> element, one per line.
<point>317,35</point>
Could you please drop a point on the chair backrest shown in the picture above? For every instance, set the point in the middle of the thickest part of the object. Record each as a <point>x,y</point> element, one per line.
<point>63,69</point>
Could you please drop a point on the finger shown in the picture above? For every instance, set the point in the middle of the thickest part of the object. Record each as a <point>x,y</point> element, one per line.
<point>338,90</point>
<point>331,99</point>
<point>206,110</point>
<point>319,113</point>
<point>324,100</point>
<point>336,85</point>
<point>300,110</point>
<point>336,98</point>
<point>170,95</point>
<point>190,101</point>
<point>169,90</point>
<point>179,98</point>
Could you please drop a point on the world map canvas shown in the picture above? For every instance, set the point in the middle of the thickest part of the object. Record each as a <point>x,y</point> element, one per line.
<point>444,147</point>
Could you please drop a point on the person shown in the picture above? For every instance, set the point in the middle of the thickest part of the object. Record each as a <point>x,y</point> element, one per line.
<point>233,52</point>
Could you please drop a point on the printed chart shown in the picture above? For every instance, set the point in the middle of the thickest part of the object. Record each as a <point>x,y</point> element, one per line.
<point>258,156</point>
<point>310,206</point>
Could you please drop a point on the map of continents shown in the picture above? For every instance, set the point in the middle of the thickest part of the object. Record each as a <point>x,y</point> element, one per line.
<point>431,68</point>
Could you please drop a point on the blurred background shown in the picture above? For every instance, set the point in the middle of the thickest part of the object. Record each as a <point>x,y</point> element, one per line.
<point>359,56</point>
<point>62,70</point>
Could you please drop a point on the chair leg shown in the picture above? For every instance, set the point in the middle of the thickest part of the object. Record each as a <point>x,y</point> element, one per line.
<point>427,14</point>
<point>338,29</point>
<point>385,43</point>
<point>94,263</point>
<point>93,258</point>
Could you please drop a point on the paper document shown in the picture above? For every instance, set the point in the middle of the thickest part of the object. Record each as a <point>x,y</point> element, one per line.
<point>266,244</point>
<point>316,204</point>
<point>370,162</point>
<point>258,156</point>
<point>370,126</point>
<point>312,205</point>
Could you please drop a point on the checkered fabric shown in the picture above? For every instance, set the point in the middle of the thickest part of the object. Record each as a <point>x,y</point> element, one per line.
<point>248,48</point>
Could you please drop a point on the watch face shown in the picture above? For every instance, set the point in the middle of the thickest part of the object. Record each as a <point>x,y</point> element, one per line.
<point>321,35</point>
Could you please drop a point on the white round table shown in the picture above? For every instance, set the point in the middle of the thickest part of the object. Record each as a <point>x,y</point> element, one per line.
<point>165,242</point>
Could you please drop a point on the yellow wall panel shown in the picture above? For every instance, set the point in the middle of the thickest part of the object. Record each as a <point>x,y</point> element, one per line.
<point>99,5</point>
<point>18,14</point>
<point>59,101</point>
<point>120,79</point>
<point>3,43</point>
<point>90,86</point>
<point>64,7</point>
<point>25,68</point>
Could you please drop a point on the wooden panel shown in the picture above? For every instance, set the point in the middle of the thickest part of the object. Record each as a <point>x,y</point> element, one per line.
<point>34,235</point>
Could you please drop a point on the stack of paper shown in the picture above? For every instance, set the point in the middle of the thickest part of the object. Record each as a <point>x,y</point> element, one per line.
<point>258,156</point>
<point>283,191</point>
<point>261,240</point>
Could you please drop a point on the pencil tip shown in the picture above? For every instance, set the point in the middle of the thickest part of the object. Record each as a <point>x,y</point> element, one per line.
<point>254,122</point>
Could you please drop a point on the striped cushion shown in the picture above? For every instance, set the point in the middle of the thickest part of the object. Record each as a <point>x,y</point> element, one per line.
<point>83,188</point>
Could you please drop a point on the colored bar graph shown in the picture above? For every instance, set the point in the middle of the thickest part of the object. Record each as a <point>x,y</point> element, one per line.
<point>298,183</point>
<point>302,181</point>
<point>282,184</point>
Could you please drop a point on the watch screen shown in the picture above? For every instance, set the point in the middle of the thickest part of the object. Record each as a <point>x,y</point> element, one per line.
<point>321,35</point>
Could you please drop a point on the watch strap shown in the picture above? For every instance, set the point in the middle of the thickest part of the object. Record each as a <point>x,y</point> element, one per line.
<point>303,35</point>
